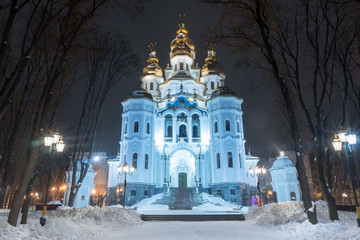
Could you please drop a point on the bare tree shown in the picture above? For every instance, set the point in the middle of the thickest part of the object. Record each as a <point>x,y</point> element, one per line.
<point>108,60</point>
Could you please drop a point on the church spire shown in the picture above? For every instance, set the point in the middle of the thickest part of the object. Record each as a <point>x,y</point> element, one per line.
<point>152,67</point>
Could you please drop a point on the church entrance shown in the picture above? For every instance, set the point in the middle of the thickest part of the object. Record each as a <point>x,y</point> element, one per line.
<point>182,180</point>
<point>182,169</point>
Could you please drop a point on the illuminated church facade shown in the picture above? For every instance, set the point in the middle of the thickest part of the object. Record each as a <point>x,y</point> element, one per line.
<point>182,129</point>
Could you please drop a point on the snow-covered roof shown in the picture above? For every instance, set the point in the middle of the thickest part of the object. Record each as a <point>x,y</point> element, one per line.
<point>282,162</point>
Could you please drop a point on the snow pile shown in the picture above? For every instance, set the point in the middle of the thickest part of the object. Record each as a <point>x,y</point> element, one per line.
<point>277,213</point>
<point>212,203</point>
<point>71,223</point>
<point>147,204</point>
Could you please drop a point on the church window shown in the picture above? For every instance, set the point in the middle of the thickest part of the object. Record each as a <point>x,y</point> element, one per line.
<point>292,196</point>
<point>148,128</point>
<point>195,132</point>
<point>136,126</point>
<point>218,160</point>
<point>196,126</point>
<point>227,125</point>
<point>133,193</point>
<point>151,86</point>
<point>217,84</point>
<point>168,126</point>
<point>216,127</point>
<point>218,192</point>
<point>146,161</point>
<point>169,131</point>
<point>175,67</point>
<point>181,66</point>
<point>212,85</point>
<point>230,159</point>
<point>232,192</point>
<point>187,67</point>
<point>146,193</point>
<point>240,161</point>
<point>134,160</point>
<point>238,126</point>
<point>125,129</point>
<point>182,130</point>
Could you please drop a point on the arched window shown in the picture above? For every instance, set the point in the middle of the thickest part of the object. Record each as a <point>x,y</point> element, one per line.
<point>238,126</point>
<point>148,128</point>
<point>146,161</point>
<point>182,130</point>
<point>187,67</point>
<point>217,84</point>
<point>195,132</point>
<point>151,86</point>
<point>136,126</point>
<point>168,126</point>
<point>134,160</point>
<point>125,129</point>
<point>227,125</point>
<point>169,131</point>
<point>215,127</point>
<point>181,66</point>
<point>175,67</point>
<point>212,85</point>
<point>240,161</point>
<point>292,196</point>
<point>230,159</point>
<point>218,160</point>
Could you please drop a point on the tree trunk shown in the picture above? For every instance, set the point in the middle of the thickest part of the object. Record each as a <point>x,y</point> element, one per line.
<point>21,191</point>
<point>25,207</point>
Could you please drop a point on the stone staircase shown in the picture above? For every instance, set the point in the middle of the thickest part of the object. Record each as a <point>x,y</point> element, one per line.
<point>181,198</point>
<point>193,217</point>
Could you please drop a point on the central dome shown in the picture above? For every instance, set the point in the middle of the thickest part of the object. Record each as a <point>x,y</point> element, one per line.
<point>182,44</point>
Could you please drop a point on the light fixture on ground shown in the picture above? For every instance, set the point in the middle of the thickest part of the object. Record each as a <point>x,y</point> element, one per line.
<point>347,139</point>
<point>125,170</point>
<point>258,171</point>
<point>55,144</point>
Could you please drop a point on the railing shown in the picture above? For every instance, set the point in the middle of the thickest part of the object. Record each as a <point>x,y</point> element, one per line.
<point>184,138</point>
<point>168,139</point>
<point>196,140</point>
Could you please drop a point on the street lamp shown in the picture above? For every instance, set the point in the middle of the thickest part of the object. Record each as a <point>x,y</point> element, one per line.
<point>54,142</point>
<point>125,170</point>
<point>348,139</point>
<point>258,171</point>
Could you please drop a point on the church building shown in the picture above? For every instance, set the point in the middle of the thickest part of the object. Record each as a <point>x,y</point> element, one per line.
<point>182,129</point>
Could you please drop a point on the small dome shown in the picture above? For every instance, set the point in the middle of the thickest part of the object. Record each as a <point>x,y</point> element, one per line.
<point>212,65</point>
<point>223,91</point>
<point>153,67</point>
<point>282,162</point>
<point>140,93</point>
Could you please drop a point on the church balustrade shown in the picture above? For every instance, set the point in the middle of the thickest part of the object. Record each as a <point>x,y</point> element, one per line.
<point>196,139</point>
<point>184,138</point>
<point>168,139</point>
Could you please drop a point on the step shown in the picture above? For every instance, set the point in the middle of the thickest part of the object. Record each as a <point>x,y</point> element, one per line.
<point>193,217</point>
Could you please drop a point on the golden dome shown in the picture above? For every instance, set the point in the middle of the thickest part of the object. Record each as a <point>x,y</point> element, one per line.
<point>212,65</point>
<point>182,44</point>
<point>152,67</point>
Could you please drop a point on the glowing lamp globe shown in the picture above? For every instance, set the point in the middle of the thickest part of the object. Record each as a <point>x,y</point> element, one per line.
<point>60,146</point>
<point>337,144</point>
<point>351,138</point>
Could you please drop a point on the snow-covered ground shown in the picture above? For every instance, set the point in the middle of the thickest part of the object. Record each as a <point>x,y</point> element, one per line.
<point>275,221</point>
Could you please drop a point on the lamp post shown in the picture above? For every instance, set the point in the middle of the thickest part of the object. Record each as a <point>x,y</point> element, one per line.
<point>348,139</point>
<point>258,171</point>
<point>55,143</point>
<point>125,170</point>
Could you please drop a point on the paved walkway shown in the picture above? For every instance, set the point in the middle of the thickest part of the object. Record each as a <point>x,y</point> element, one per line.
<point>219,230</point>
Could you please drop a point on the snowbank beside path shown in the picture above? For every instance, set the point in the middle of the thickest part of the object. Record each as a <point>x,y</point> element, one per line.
<point>289,217</point>
<point>71,223</point>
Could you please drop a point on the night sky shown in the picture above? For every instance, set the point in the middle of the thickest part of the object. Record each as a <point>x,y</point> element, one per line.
<point>159,23</point>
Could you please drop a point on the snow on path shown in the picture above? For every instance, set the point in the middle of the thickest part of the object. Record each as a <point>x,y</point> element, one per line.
<point>224,230</point>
